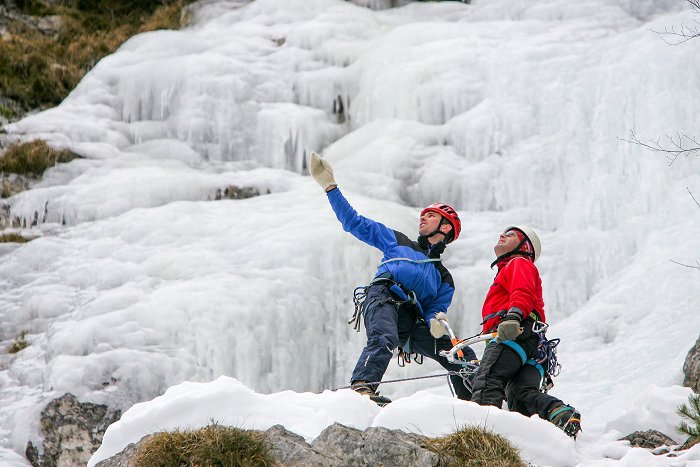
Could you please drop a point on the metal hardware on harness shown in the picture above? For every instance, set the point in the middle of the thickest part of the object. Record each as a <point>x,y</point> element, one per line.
<point>467,373</point>
<point>539,327</point>
<point>360,294</point>
<point>358,298</point>
<point>546,355</point>
<point>402,358</point>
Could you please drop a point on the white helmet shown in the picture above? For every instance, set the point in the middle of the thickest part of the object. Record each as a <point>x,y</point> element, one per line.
<point>530,235</point>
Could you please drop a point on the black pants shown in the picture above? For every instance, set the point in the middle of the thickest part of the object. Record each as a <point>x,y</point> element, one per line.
<point>389,326</point>
<point>502,375</point>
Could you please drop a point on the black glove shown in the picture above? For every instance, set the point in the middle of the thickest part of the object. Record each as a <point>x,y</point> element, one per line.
<point>510,328</point>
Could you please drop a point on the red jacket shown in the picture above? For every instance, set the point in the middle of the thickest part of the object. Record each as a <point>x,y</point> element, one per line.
<point>517,283</point>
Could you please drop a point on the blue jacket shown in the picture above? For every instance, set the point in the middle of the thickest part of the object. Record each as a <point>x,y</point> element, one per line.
<point>430,281</point>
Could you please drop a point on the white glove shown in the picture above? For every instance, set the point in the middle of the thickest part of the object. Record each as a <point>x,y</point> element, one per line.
<point>436,328</point>
<point>321,171</point>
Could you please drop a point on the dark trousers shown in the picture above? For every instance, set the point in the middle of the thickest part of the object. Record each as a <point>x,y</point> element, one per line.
<point>388,326</point>
<point>502,375</point>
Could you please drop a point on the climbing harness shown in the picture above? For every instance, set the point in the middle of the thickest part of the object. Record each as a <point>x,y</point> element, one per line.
<point>404,296</point>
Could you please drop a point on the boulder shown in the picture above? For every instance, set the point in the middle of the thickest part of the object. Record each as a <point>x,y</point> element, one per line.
<point>650,439</point>
<point>691,368</point>
<point>72,431</point>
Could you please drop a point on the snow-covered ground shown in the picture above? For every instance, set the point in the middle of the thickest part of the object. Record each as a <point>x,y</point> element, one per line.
<point>512,111</point>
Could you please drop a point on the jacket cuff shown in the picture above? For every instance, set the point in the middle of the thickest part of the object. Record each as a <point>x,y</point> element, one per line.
<point>514,313</point>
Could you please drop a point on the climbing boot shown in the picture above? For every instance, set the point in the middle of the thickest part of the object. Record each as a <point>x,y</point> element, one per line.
<point>364,388</point>
<point>567,418</point>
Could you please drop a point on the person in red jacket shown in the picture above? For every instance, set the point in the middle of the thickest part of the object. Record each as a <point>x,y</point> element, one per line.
<point>514,304</point>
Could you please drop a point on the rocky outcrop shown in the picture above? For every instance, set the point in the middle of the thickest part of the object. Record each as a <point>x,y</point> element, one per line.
<point>374,446</point>
<point>650,439</point>
<point>236,192</point>
<point>72,432</point>
<point>691,368</point>
<point>11,184</point>
<point>336,446</point>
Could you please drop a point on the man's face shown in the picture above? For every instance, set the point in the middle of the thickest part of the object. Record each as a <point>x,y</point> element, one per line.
<point>428,223</point>
<point>507,241</point>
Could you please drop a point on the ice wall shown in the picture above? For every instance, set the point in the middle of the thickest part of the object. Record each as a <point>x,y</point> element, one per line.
<point>509,110</point>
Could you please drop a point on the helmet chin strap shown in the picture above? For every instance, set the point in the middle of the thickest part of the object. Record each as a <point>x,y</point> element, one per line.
<point>423,239</point>
<point>513,252</point>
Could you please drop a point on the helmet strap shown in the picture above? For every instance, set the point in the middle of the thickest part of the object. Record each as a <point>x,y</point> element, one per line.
<point>448,236</point>
<point>513,252</point>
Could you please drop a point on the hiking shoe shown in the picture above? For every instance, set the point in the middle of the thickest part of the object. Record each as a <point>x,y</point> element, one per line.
<point>364,388</point>
<point>567,418</point>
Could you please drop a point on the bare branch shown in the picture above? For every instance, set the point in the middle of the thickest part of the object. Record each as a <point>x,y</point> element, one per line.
<point>678,35</point>
<point>686,265</point>
<point>682,145</point>
<point>697,262</point>
<point>691,195</point>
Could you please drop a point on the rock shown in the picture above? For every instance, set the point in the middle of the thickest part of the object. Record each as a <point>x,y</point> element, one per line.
<point>650,439</point>
<point>125,458</point>
<point>72,431</point>
<point>374,446</point>
<point>291,449</point>
<point>11,184</point>
<point>691,368</point>
<point>236,192</point>
<point>336,446</point>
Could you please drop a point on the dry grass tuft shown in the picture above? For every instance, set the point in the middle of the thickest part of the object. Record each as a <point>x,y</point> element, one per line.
<point>32,158</point>
<point>19,343</point>
<point>38,70</point>
<point>475,446</point>
<point>14,238</point>
<point>213,445</point>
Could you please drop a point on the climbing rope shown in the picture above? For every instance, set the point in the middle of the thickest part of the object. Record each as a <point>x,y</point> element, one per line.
<point>449,373</point>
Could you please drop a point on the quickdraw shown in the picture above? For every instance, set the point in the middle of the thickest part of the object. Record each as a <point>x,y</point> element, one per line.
<point>546,355</point>
<point>403,358</point>
<point>395,289</point>
<point>358,298</point>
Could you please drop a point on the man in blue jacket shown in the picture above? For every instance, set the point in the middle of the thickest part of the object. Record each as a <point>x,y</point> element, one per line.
<point>411,290</point>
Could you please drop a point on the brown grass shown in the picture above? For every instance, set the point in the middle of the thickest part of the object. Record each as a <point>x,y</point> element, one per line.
<point>14,238</point>
<point>39,70</point>
<point>32,158</point>
<point>19,343</point>
<point>475,447</point>
<point>213,445</point>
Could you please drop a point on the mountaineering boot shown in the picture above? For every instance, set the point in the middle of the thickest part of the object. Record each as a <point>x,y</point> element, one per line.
<point>364,388</point>
<point>567,418</point>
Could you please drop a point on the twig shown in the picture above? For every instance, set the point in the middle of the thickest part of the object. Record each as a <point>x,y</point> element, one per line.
<point>697,262</point>
<point>683,145</point>
<point>691,195</point>
<point>686,265</point>
<point>685,32</point>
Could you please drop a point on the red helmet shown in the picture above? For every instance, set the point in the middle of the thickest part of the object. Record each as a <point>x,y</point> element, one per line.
<point>446,211</point>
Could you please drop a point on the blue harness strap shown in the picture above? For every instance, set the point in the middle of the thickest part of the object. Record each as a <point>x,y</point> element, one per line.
<point>521,353</point>
<point>518,349</point>
<point>537,366</point>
